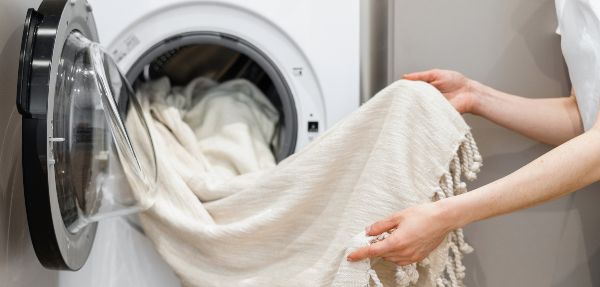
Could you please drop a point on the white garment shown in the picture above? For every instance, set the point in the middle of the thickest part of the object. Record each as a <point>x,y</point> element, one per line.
<point>579,26</point>
<point>228,120</point>
<point>293,224</point>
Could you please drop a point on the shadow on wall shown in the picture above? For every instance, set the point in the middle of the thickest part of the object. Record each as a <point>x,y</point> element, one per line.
<point>584,209</point>
<point>534,33</point>
<point>560,239</point>
<point>18,264</point>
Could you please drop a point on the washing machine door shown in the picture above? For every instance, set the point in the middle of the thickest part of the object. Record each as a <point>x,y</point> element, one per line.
<point>87,153</point>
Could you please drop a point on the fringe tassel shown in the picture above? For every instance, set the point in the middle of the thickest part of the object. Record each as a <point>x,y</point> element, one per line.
<point>466,163</point>
<point>407,275</point>
<point>374,277</point>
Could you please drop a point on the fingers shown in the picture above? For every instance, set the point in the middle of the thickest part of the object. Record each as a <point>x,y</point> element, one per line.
<point>382,226</point>
<point>374,250</point>
<point>383,249</point>
<point>425,76</point>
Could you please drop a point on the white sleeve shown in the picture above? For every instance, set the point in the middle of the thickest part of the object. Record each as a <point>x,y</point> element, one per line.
<point>559,4</point>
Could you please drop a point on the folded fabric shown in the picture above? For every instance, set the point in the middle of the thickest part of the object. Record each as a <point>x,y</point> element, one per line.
<point>225,215</point>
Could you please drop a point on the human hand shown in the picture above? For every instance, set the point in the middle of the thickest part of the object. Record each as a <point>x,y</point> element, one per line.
<point>418,231</point>
<point>458,89</point>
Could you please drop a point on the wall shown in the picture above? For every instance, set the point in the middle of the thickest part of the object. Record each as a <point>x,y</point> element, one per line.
<point>375,42</point>
<point>509,45</point>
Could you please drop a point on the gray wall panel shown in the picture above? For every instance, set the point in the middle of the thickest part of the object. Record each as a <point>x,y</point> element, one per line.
<point>509,45</point>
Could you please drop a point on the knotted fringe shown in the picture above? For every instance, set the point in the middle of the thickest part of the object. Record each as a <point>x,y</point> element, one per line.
<point>466,163</point>
<point>405,275</point>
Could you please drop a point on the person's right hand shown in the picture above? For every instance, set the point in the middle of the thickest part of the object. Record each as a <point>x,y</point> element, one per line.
<point>458,89</point>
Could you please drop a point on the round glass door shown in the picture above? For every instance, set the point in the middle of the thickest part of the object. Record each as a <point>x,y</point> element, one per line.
<point>99,170</point>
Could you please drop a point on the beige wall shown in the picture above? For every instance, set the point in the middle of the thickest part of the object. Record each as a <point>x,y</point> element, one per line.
<point>510,45</point>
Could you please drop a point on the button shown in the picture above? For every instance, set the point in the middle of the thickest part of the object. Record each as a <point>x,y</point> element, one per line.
<point>313,127</point>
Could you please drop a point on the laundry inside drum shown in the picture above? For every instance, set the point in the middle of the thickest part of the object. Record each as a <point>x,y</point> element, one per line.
<point>222,60</point>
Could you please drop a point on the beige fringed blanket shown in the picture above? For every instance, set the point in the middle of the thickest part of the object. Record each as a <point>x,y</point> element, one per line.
<point>293,224</point>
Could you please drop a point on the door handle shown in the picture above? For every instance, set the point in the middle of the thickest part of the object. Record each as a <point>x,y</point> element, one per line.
<point>32,20</point>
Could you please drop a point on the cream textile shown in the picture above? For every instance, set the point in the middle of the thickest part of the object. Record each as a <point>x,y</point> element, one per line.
<point>293,224</point>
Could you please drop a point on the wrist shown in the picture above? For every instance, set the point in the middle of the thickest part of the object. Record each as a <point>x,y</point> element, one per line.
<point>478,92</point>
<point>450,214</point>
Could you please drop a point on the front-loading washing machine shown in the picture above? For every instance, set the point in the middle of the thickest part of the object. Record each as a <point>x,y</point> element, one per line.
<point>304,55</point>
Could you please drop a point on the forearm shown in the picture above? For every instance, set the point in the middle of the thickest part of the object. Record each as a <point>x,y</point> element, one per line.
<point>551,121</point>
<point>564,169</point>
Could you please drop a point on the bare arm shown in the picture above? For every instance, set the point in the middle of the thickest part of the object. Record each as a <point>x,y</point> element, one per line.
<point>565,169</point>
<point>568,167</point>
<point>422,228</point>
<point>551,121</point>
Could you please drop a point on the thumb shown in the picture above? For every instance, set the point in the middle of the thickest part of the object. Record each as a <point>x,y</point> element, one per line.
<point>382,226</point>
<point>426,76</point>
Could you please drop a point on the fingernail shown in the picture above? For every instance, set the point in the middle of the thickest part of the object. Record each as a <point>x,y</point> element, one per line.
<point>349,259</point>
<point>368,229</point>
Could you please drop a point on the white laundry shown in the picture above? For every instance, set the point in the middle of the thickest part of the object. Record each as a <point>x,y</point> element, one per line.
<point>293,224</point>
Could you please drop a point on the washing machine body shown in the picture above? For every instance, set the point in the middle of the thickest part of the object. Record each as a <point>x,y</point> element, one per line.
<point>313,45</point>
<point>305,53</point>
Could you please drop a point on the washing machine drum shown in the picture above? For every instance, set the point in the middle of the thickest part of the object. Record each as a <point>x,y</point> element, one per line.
<point>221,57</point>
<point>76,151</point>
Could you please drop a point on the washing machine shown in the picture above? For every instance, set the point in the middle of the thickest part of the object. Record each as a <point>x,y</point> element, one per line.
<point>308,49</point>
<point>304,55</point>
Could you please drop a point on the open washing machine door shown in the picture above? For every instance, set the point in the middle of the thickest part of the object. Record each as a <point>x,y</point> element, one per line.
<point>79,164</point>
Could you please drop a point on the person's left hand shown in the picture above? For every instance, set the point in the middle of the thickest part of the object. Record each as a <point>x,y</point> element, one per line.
<point>418,231</point>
